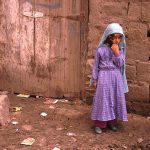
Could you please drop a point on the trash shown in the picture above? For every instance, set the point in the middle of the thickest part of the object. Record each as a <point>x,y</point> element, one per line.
<point>59,129</point>
<point>62,100</point>
<point>43,114</point>
<point>14,122</point>
<point>140,140</point>
<point>55,101</point>
<point>148,117</point>
<point>71,134</point>
<point>49,101</point>
<point>28,141</point>
<point>74,139</point>
<point>125,147</point>
<point>51,107</point>
<point>23,95</point>
<point>15,109</point>
<point>17,130</point>
<point>56,148</point>
<point>37,96</point>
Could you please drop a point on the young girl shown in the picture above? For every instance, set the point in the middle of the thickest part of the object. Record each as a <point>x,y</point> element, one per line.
<point>109,79</point>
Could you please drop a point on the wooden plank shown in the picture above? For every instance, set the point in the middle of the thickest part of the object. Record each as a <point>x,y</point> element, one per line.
<point>72,68</point>
<point>84,46</point>
<point>74,6</point>
<point>11,68</point>
<point>41,41</point>
<point>27,52</point>
<point>56,8</point>
<point>65,52</point>
<point>57,58</point>
<point>3,43</point>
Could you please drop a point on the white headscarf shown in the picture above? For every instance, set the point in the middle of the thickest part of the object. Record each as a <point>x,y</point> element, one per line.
<point>112,29</point>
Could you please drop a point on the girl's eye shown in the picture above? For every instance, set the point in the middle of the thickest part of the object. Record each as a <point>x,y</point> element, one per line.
<point>116,37</point>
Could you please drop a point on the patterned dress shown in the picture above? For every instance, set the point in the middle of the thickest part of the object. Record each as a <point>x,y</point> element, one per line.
<point>109,99</point>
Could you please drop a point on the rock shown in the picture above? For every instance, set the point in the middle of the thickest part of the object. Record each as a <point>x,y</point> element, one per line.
<point>125,147</point>
<point>4,110</point>
<point>140,140</point>
<point>74,139</point>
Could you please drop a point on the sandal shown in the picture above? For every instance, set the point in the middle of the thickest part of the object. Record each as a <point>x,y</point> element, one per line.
<point>98,130</point>
<point>112,127</point>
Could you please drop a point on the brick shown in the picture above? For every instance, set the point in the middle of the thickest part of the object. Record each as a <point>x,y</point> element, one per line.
<point>134,11</point>
<point>145,11</point>
<point>137,32</point>
<point>143,71</point>
<point>139,108</point>
<point>130,62</point>
<point>117,9</point>
<point>137,51</point>
<point>138,93</point>
<point>131,72</point>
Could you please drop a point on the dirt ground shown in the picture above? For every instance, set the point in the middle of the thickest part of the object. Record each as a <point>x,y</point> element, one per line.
<point>67,126</point>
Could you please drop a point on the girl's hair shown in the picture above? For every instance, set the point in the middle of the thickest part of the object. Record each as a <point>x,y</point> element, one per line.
<point>108,41</point>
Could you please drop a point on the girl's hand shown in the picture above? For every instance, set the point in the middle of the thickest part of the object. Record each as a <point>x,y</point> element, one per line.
<point>115,49</point>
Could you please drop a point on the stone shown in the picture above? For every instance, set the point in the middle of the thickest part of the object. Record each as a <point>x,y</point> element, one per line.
<point>145,11</point>
<point>131,72</point>
<point>138,93</point>
<point>137,29</point>
<point>143,71</point>
<point>130,62</point>
<point>108,9</point>
<point>140,140</point>
<point>134,11</point>
<point>139,108</point>
<point>138,51</point>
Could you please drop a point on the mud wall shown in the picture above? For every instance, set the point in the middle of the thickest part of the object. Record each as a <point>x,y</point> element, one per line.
<point>134,16</point>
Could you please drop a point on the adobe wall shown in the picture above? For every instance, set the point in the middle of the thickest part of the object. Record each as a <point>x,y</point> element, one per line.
<point>134,16</point>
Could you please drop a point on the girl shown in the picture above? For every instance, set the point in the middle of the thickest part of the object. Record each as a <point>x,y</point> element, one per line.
<point>109,79</point>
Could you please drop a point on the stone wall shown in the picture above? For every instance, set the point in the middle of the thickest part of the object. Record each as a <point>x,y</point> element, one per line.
<point>134,16</point>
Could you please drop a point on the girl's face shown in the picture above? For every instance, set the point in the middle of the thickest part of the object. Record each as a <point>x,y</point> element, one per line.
<point>115,38</point>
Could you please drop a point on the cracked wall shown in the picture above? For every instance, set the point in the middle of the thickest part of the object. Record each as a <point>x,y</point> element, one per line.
<point>134,16</point>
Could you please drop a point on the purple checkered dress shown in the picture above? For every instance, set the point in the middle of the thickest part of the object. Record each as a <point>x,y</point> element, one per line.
<point>109,99</point>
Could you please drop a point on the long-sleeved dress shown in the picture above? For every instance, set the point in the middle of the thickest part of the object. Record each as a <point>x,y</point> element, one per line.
<point>109,99</point>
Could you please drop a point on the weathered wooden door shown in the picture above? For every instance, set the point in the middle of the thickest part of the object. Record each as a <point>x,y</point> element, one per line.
<point>43,46</point>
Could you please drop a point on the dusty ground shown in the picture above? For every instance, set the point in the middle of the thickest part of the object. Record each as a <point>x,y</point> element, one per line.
<point>68,118</point>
